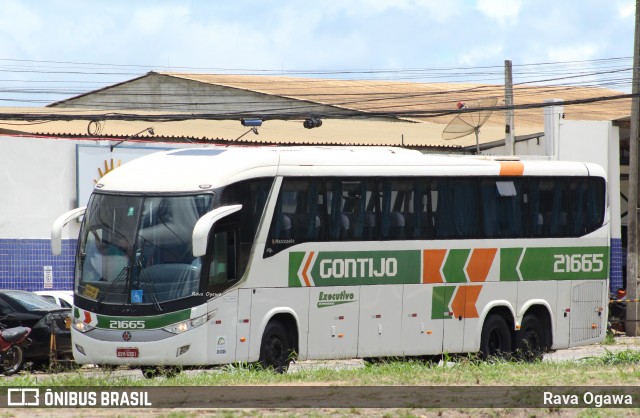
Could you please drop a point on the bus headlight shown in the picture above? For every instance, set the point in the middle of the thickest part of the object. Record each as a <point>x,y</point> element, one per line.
<point>183,326</point>
<point>83,327</point>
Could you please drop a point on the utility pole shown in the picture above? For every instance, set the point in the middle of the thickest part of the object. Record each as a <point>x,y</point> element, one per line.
<point>632,315</point>
<point>509,139</point>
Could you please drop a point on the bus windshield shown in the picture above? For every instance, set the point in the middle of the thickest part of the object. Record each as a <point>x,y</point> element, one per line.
<point>138,249</point>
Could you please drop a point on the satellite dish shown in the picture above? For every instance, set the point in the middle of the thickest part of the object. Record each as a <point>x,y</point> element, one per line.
<point>468,122</point>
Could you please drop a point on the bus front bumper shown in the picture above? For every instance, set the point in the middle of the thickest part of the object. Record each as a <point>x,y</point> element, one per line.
<point>134,347</point>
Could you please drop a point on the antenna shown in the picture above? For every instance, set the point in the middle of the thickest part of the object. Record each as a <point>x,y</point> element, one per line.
<point>469,120</point>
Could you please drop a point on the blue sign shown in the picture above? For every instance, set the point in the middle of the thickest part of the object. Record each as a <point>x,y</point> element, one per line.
<point>136,296</point>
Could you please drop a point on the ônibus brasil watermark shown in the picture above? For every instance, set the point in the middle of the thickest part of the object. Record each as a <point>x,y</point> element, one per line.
<point>322,397</point>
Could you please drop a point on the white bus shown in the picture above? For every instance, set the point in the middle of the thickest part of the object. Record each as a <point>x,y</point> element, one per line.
<point>219,255</point>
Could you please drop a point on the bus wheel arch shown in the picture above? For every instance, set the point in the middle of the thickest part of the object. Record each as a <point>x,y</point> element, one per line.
<point>497,336</point>
<point>535,336</point>
<point>279,343</point>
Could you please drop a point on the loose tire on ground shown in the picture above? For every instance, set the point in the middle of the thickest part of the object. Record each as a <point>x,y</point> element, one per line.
<point>495,340</point>
<point>275,349</point>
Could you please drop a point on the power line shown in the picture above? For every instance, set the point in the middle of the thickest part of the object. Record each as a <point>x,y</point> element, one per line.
<point>612,73</point>
<point>287,114</point>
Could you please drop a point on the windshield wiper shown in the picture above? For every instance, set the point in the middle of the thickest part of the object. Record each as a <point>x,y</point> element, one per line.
<point>149,283</point>
<point>119,277</point>
<point>139,265</point>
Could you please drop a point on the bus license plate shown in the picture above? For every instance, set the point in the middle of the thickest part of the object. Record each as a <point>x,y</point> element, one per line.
<point>127,352</point>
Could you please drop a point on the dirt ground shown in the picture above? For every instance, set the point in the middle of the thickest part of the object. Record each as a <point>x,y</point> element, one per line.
<point>325,412</point>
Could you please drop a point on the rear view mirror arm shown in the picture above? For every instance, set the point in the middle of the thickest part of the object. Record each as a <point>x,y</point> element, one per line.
<point>200,235</point>
<point>58,226</point>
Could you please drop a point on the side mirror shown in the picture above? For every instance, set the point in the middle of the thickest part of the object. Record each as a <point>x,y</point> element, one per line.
<point>200,234</point>
<point>59,224</point>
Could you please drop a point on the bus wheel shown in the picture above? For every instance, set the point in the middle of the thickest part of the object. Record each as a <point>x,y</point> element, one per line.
<point>495,341</point>
<point>530,340</point>
<point>275,350</point>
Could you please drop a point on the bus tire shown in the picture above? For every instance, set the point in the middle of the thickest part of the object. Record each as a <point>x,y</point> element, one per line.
<point>275,349</point>
<point>495,340</point>
<point>530,339</point>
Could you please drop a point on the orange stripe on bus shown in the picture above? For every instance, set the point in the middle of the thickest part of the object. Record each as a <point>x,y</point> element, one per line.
<point>431,263</point>
<point>464,302</point>
<point>306,268</point>
<point>480,263</point>
<point>511,168</point>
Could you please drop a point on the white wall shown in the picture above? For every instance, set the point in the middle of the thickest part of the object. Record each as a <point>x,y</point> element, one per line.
<point>535,146</point>
<point>38,180</point>
<point>585,141</point>
<point>37,183</point>
<point>596,142</point>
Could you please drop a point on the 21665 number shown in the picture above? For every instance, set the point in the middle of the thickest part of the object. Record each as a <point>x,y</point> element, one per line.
<point>578,263</point>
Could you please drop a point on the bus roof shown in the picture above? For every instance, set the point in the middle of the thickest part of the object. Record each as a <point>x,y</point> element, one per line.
<point>193,169</point>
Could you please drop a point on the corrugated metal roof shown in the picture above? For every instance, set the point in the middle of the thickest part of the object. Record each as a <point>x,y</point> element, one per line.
<point>423,99</point>
<point>333,131</point>
<point>383,95</point>
<point>361,95</point>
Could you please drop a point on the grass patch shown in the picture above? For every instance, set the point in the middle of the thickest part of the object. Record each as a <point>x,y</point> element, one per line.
<point>611,368</point>
<point>622,357</point>
<point>609,339</point>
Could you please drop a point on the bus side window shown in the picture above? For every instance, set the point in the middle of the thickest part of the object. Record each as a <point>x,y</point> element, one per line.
<point>503,208</point>
<point>578,206</point>
<point>307,211</point>
<point>404,210</point>
<point>595,203</point>
<point>298,216</point>
<point>339,223</point>
<point>351,210</point>
<point>252,195</point>
<point>392,210</point>
<point>550,198</point>
<point>587,205</point>
<point>457,208</point>
<point>223,265</point>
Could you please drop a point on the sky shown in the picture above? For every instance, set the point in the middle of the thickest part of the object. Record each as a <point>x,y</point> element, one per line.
<point>54,49</point>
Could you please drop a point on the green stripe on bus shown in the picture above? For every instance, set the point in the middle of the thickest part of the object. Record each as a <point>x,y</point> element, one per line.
<point>295,262</point>
<point>509,258</point>
<point>558,263</point>
<point>142,322</point>
<point>453,269</point>
<point>569,263</point>
<point>440,301</point>
<point>337,268</point>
